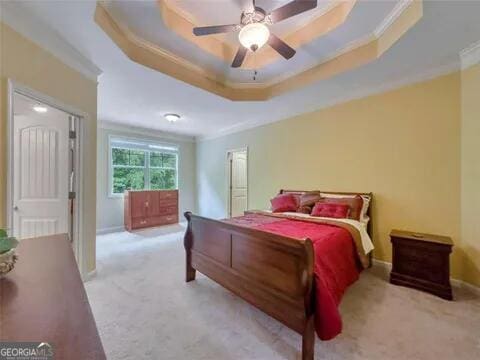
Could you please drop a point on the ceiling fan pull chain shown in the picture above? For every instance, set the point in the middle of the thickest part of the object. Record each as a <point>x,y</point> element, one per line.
<point>255,72</point>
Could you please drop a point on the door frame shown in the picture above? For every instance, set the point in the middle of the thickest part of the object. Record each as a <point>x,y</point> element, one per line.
<point>79,244</point>
<point>229,177</point>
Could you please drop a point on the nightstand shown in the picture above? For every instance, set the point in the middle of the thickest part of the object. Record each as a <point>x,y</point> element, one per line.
<point>422,261</point>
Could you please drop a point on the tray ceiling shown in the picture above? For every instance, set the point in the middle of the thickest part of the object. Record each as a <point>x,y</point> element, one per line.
<point>335,37</point>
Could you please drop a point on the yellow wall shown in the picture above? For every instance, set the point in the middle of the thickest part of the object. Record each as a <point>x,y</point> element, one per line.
<point>403,145</point>
<point>23,61</point>
<point>470,225</point>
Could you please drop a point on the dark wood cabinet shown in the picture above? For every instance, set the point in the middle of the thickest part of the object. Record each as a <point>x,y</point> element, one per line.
<point>150,208</point>
<point>422,261</point>
<point>43,300</point>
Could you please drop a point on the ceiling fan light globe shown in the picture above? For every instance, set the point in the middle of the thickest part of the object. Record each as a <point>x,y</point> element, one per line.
<point>254,35</point>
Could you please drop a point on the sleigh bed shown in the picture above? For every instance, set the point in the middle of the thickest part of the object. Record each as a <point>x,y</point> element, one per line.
<point>292,267</point>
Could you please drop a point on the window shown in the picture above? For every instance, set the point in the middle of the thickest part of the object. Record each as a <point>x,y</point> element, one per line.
<point>137,165</point>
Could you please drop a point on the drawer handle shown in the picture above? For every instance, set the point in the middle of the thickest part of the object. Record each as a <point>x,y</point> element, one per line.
<point>143,222</point>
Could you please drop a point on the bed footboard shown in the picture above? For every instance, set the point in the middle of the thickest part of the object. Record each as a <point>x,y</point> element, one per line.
<point>272,272</point>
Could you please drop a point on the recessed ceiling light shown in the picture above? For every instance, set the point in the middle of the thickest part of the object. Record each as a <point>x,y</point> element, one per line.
<point>40,109</point>
<point>172,117</point>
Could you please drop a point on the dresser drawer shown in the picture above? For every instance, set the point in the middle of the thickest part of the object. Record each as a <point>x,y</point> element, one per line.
<point>168,210</point>
<point>163,195</point>
<point>163,220</point>
<point>140,223</point>
<point>164,203</point>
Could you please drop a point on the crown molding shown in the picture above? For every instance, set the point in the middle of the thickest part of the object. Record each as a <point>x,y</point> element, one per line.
<point>138,130</point>
<point>399,8</point>
<point>352,95</point>
<point>470,55</point>
<point>22,20</point>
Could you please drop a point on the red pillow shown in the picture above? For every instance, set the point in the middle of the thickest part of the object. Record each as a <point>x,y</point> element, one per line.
<point>284,202</point>
<point>339,211</point>
<point>355,204</point>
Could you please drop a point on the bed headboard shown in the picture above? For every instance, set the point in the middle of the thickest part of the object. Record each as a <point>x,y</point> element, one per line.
<point>369,211</point>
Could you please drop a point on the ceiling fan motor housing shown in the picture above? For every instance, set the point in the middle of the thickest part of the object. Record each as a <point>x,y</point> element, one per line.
<point>259,15</point>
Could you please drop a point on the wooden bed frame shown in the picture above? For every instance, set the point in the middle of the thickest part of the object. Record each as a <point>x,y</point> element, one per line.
<point>272,272</point>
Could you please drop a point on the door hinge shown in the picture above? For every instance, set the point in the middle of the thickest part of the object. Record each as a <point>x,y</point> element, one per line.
<point>72,134</point>
<point>72,194</point>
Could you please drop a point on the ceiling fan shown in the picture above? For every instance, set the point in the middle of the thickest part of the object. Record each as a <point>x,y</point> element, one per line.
<point>254,31</point>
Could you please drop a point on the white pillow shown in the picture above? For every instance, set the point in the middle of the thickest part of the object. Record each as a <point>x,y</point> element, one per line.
<point>364,218</point>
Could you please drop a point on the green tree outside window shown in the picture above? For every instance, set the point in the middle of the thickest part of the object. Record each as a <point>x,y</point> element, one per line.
<point>135,169</point>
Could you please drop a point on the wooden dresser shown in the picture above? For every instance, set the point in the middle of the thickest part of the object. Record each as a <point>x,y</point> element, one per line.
<point>43,300</point>
<point>422,261</point>
<point>150,208</point>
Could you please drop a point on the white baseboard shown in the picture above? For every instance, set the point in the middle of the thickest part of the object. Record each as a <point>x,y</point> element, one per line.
<point>110,230</point>
<point>385,264</point>
<point>89,276</point>
<point>465,285</point>
<point>455,282</point>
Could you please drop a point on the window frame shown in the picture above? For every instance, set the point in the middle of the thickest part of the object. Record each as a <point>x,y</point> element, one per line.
<point>140,144</point>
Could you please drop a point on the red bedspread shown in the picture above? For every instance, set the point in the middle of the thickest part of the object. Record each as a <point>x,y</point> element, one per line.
<point>335,263</point>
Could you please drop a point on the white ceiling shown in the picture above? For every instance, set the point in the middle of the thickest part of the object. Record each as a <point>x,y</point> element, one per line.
<point>23,106</point>
<point>132,94</point>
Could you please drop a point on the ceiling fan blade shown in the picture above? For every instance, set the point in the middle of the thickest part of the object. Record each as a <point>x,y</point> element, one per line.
<point>218,29</point>
<point>241,53</point>
<point>281,46</point>
<point>291,9</point>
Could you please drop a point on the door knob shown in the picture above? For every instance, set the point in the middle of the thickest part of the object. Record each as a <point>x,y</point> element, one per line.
<point>15,208</point>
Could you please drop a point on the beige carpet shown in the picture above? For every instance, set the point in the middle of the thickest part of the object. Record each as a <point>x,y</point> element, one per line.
<point>145,310</point>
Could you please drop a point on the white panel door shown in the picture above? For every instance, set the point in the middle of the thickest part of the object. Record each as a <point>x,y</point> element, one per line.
<point>40,176</point>
<point>239,187</point>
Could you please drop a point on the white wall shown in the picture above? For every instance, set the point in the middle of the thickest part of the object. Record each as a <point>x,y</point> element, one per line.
<point>110,209</point>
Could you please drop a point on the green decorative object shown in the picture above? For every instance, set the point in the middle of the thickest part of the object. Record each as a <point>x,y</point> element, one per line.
<point>7,243</point>
<point>8,257</point>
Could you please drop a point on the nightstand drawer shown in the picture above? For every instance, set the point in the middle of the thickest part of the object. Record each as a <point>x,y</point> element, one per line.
<point>418,255</point>
<point>419,262</point>
<point>419,270</point>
